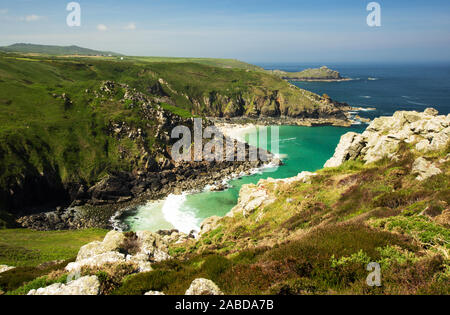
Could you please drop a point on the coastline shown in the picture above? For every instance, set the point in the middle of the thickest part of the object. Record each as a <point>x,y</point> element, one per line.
<point>187,177</point>
<point>319,80</point>
<point>176,200</point>
<point>170,182</point>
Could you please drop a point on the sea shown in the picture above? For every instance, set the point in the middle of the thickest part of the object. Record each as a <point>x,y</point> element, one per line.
<point>386,87</point>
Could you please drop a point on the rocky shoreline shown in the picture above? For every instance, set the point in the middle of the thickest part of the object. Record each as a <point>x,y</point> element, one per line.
<point>119,193</point>
<point>319,80</point>
<point>284,121</point>
<point>427,131</point>
<point>154,174</point>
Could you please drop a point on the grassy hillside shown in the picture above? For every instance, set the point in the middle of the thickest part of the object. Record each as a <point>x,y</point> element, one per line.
<point>26,248</point>
<point>318,238</point>
<point>214,62</point>
<point>38,254</point>
<point>55,119</point>
<point>314,238</point>
<point>54,50</point>
<point>80,51</point>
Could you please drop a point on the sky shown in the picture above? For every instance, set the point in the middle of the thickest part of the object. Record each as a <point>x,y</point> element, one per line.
<point>249,30</point>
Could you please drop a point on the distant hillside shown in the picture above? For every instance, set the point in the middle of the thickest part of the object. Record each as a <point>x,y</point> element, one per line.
<point>317,74</point>
<point>55,50</point>
<point>214,62</point>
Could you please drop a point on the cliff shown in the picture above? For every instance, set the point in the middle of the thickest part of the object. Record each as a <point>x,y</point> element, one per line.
<point>97,129</point>
<point>311,234</point>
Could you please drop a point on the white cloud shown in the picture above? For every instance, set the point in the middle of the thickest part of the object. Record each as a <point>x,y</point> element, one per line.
<point>131,26</point>
<point>102,27</point>
<point>33,18</point>
<point>3,11</point>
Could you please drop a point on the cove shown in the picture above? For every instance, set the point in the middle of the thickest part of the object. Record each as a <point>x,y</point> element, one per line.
<point>301,149</point>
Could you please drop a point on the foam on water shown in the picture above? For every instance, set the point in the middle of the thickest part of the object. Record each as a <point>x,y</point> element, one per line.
<point>182,218</point>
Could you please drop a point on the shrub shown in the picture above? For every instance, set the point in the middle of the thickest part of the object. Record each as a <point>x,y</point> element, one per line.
<point>158,280</point>
<point>215,266</point>
<point>421,228</point>
<point>130,245</point>
<point>15,278</point>
<point>41,282</point>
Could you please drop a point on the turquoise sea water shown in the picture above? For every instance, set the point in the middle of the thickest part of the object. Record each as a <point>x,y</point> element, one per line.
<point>387,87</point>
<point>301,149</point>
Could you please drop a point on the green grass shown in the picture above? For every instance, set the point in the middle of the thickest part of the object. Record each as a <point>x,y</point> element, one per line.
<point>419,227</point>
<point>26,248</point>
<point>176,110</point>
<point>214,62</point>
<point>47,139</point>
<point>321,241</point>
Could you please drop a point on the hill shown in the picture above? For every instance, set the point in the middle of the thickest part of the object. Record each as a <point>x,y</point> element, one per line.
<point>214,62</point>
<point>80,51</point>
<point>68,123</point>
<point>55,50</point>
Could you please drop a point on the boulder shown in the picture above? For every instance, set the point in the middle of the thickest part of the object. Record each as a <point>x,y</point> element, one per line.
<point>4,268</point>
<point>153,246</point>
<point>385,147</point>
<point>142,261</point>
<point>251,197</point>
<point>83,286</point>
<point>203,287</point>
<point>424,169</point>
<point>349,148</point>
<point>97,261</point>
<point>154,293</point>
<point>209,224</point>
<point>431,112</point>
<point>112,242</point>
<point>423,145</point>
<point>440,141</point>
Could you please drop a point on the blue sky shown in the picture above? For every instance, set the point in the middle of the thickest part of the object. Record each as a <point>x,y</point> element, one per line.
<point>251,30</point>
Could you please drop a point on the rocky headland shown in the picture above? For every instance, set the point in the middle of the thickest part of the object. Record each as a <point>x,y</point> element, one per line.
<point>322,74</point>
<point>427,131</point>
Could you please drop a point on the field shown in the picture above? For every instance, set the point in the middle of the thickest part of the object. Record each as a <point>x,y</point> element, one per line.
<point>26,248</point>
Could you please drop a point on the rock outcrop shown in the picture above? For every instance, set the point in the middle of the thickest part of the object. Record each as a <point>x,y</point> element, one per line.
<point>424,169</point>
<point>208,225</point>
<point>203,287</point>
<point>146,247</point>
<point>427,131</point>
<point>83,286</point>
<point>4,268</point>
<point>251,197</point>
<point>154,293</point>
<point>254,197</point>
